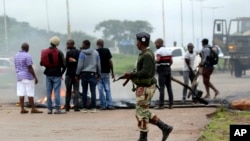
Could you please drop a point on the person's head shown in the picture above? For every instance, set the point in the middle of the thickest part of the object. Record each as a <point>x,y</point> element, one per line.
<point>143,39</point>
<point>204,42</point>
<point>175,43</point>
<point>85,44</point>
<point>190,47</point>
<point>54,41</point>
<point>25,47</point>
<point>159,43</point>
<point>100,43</point>
<point>70,43</point>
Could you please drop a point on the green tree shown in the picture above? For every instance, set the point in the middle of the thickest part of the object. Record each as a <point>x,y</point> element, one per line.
<point>123,32</point>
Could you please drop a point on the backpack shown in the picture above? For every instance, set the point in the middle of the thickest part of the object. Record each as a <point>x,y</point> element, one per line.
<point>50,57</point>
<point>213,57</point>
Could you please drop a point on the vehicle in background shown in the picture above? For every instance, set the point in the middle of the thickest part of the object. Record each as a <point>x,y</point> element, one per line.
<point>6,65</point>
<point>178,54</point>
<point>234,42</point>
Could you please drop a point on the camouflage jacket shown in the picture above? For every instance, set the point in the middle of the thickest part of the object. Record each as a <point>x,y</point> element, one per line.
<point>145,69</point>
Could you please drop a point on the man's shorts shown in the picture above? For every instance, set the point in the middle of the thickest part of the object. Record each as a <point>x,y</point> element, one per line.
<point>26,87</point>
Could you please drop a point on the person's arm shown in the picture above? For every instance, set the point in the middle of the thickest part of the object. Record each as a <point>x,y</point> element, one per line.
<point>80,63</point>
<point>98,65</point>
<point>111,64</point>
<point>63,62</point>
<point>111,68</point>
<point>30,68</point>
<point>187,61</point>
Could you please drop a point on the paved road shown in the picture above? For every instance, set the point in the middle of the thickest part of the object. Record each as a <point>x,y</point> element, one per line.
<point>227,85</point>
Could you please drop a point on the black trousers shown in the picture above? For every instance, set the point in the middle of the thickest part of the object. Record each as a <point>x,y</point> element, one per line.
<point>164,80</point>
<point>69,82</point>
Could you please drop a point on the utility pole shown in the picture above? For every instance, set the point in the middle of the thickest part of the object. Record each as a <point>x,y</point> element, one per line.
<point>5,29</point>
<point>47,14</point>
<point>163,20</point>
<point>181,25</point>
<point>68,19</point>
<point>193,19</point>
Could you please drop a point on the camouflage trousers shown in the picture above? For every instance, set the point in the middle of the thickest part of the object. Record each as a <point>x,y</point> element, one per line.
<point>143,115</point>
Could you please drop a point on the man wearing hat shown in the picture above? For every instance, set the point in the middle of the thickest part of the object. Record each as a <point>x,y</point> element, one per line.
<point>53,61</point>
<point>207,69</point>
<point>145,83</point>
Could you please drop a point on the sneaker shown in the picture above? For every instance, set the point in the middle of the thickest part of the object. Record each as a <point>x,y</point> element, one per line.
<point>159,107</point>
<point>84,110</point>
<point>35,111</point>
<point>59,112</point>
<point>102,108</point>
<point>93,110</point>
<point>49,112</point>
<point>77,110</point>
<point>111,108</point>
<point>23,111</point>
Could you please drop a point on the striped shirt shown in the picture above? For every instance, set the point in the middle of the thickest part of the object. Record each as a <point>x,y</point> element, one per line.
<point>22,61</point>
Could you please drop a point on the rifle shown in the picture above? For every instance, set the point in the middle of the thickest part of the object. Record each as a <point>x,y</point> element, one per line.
<point>122,77</point>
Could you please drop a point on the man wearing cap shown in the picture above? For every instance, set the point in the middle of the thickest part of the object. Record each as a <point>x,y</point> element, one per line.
<point>188,69</point>
<point>26,78</point>
<point>207,69</point>
<point>53,61</point>
<point>163,56</point>
<point>145,83</point>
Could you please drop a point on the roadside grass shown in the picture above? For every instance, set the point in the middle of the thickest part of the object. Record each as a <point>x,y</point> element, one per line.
<point>123,63</point>
<point>218,128</point>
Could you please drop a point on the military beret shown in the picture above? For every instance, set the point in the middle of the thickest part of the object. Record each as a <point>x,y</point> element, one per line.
<point>143,37</point>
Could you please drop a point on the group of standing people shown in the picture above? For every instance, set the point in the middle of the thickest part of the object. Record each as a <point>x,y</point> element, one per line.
<point>91,66</point>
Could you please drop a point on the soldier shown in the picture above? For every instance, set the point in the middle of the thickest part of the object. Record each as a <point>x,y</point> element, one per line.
<point>145,83</point>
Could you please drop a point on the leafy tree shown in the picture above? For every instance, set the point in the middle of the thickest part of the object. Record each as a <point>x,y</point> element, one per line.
<point>123,32</point>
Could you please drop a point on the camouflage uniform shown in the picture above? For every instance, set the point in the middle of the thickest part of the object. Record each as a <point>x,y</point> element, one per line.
<point>143,115</point>
<point>145,81</point>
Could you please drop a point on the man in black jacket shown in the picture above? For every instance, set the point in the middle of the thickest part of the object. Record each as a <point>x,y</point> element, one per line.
<point>71,65</point>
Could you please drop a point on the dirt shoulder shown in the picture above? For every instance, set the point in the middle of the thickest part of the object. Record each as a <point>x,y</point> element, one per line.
<point>117,125</point>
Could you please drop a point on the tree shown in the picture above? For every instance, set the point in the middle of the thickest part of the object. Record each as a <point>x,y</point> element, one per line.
<point>123,32</point>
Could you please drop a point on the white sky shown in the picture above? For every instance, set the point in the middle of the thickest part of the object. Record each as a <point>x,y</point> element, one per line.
<point>85,14</point>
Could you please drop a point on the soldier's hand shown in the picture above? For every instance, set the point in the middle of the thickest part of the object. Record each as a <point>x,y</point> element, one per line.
<point>127,75</point>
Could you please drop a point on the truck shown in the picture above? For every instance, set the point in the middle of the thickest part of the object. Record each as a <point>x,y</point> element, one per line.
<point>234,41</point>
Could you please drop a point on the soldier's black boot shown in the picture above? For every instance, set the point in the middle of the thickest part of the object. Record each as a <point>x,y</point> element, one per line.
<point>166,129</point>
<point>143,136</point>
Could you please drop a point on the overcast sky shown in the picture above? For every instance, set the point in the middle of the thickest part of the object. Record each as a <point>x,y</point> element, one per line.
<point>85,14</point>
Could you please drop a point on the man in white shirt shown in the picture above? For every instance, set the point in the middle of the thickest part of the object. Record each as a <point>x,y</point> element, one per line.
<point>188,68</point>
<point>163,56</point>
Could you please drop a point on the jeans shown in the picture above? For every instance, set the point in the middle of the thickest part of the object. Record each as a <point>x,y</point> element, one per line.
<point>186,75</point>
<point>164,79</point>
<point>90,79</point>
<point>53,83</point>
<point>104,85</point>
<point>69,82</point>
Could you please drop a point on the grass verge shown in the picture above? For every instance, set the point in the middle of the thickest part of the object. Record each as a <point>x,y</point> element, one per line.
<point>123,63</point>
<point>218,128</point>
